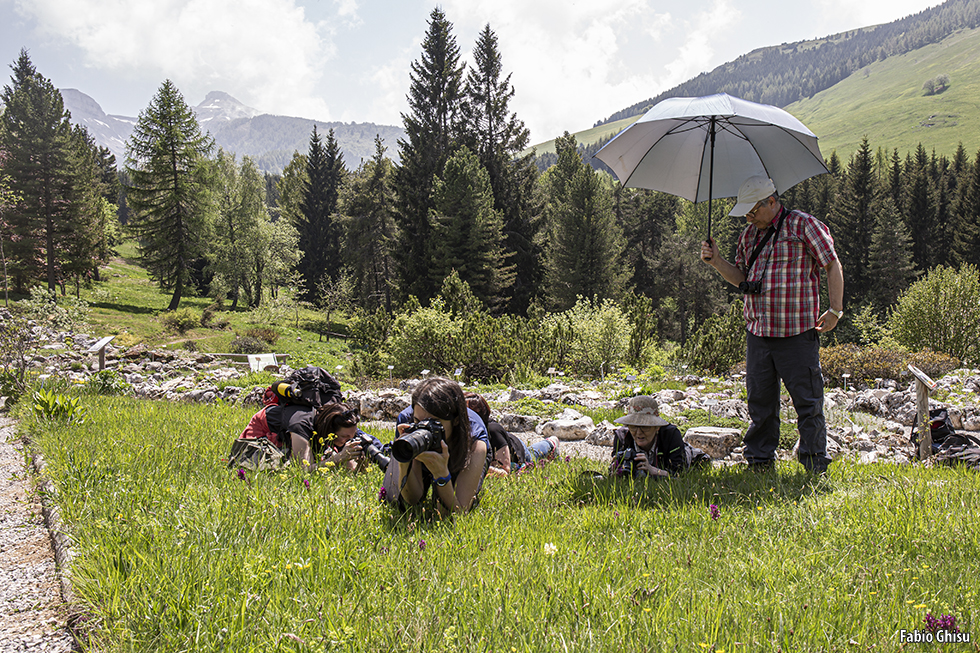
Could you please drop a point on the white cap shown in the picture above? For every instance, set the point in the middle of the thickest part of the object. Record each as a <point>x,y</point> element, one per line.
<point>752,191</point>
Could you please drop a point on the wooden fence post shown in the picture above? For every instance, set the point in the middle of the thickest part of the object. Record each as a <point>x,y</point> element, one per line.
<point>923,386</point>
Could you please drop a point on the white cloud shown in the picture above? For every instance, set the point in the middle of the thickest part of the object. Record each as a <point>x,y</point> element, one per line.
<point>264,52</point>
<point>842,15</point>
<point>567,58</point>
<point>697,52</point>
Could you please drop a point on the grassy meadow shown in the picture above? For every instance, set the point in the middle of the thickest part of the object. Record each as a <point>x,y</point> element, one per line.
<point>129,305</point>
<point>176,552</point>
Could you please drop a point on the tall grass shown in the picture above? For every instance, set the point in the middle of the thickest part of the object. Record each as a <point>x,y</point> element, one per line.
<point>175,552</point>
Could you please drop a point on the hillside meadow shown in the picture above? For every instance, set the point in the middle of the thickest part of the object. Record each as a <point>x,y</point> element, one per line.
<point>173,551</point>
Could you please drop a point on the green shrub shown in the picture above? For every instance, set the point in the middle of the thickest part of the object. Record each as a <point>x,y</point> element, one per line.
<point>107,382</point>
<point>865,364</point>
<point>267,334</point>
<point>719,344</point>
<point>941,312</point>
<point>68,314</point>
<point>590,337</point>
<point>247,345</point>
<point>180,321</point>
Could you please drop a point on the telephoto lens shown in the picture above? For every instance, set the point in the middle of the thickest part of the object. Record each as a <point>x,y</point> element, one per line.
<point>373,452</point>
<point>426,435</point>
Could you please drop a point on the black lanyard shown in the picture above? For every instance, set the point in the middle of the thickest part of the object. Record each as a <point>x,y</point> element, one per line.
<point>762,243</point>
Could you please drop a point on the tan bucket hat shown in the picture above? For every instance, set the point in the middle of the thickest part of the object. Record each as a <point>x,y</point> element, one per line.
<point>643,411</point>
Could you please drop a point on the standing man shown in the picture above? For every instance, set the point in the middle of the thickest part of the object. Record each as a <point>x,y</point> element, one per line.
<point>777,267</point>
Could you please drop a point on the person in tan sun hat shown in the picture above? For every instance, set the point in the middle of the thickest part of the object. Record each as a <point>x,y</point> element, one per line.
<point>648,445</point>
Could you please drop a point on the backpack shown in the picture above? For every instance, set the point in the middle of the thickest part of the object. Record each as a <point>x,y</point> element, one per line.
<point>941,427</point>
<point>259,447</point>
<point>256,454</point>
<point>310,386</point>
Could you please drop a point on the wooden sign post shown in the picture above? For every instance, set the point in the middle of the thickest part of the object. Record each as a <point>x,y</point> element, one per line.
<point>923,386</point>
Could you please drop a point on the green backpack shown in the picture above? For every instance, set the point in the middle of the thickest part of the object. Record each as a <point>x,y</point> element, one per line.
<point>256,454</point>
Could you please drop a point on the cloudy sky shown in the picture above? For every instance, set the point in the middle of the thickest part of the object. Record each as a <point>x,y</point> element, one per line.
<point>573,62</point>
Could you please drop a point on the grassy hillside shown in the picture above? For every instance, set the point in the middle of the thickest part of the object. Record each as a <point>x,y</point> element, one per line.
<point>886,103</point>
<point>586,136</point>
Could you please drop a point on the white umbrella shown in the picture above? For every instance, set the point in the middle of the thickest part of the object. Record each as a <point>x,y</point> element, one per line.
<point>705,147</point>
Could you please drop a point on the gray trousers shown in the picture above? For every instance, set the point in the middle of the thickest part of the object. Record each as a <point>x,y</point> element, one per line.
<point>795,360</point>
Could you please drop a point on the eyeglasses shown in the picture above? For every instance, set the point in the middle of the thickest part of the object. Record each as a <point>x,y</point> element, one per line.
<point>758,205</point>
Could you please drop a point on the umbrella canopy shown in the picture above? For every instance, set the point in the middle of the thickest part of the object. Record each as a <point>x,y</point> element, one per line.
<point>705,147</point>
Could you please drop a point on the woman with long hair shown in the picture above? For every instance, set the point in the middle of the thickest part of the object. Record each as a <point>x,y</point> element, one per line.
<point>458,467</point>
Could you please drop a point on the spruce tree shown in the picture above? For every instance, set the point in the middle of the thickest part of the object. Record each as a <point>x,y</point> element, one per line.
<point>919,208</point>
<point>966,217</point>
<point>468,231</point>
<point>368,207</point>
<point>169,191</point>
<point>498,137</point>
<point>35,134</point>
<point>432,128</point>
<point>890,268</point>
<point>853,221</point>
<point>584,245</point>
<point>318,226</point>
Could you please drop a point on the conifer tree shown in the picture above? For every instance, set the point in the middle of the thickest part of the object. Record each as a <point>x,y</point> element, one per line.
<point>966,217</point>
<point>86,248</point>
<point>919,208</point>
<point>35,135</point>
<point>853,220</point>
<point>468,231</point>
<point>368,207</point>
<point>584,246</point>
<point>318,226</point>
<point>498,137</point>
<point>169,191</point>
<point>432,128</point>
<point>890,268</point>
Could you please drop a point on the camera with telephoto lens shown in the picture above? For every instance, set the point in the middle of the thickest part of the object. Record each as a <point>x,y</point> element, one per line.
<point>426,435</point>
<point>371,451</point>
<point>750,287</point>
<point>626,461</point>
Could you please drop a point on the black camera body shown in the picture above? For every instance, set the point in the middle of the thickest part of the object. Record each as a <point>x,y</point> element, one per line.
<point>750,287</point>
<point>426,435</point>
<point>371,451</point>
<point>626,460</point>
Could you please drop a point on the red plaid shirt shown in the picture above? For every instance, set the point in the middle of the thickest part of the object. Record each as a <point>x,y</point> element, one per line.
<point>789,303</point>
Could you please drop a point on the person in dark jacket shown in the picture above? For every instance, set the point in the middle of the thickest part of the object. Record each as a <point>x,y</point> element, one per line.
<point>648,446</point>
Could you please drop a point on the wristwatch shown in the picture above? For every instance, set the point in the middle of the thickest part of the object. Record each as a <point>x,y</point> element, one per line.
<point>440,482</point>
<point>839,314</point>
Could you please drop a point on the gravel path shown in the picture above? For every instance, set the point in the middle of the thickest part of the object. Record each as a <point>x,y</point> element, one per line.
<point>32,614</point>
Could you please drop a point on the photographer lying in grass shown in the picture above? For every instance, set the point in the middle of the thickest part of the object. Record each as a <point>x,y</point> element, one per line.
<point>650,447</point>
<point>446,445</point>
<point>509,453</point>
<point>342,443</point>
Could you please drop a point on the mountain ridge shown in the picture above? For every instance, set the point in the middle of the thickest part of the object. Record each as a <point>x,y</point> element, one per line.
<point>269,139</point>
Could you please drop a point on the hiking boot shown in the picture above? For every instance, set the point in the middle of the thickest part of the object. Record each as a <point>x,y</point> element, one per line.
<point>763,467</point>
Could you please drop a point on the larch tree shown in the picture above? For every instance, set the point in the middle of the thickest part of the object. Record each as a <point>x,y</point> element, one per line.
<point>169,192</point>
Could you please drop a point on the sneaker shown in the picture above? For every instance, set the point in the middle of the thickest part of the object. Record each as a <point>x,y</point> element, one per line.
<point>554,448</point>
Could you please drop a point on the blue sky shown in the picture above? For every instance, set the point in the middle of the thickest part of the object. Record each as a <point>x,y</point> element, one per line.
<point>573,62</point>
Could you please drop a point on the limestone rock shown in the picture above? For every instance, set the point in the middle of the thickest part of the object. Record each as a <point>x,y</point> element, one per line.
<point>717,442</point>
